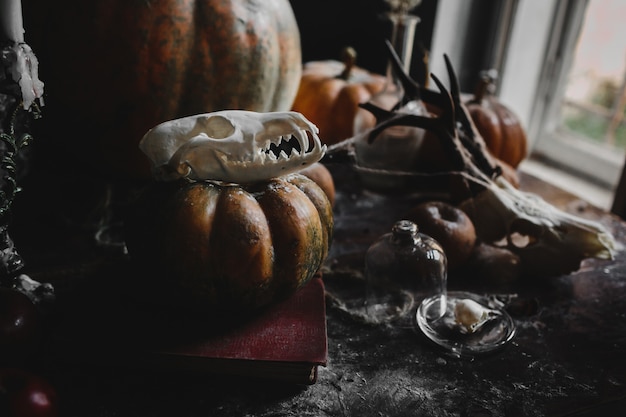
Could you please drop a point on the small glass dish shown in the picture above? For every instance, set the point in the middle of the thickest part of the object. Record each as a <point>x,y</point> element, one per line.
<point>488,333</point>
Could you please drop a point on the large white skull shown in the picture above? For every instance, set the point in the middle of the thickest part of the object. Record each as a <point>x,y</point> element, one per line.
<point>232,146</point>
<point>549,241</point>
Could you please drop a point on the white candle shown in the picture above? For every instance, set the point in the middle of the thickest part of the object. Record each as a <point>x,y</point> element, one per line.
<point>12,25</point>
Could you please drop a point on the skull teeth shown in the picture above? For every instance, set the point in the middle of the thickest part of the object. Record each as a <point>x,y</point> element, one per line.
<point>283,147</point>
<point>292,146</point>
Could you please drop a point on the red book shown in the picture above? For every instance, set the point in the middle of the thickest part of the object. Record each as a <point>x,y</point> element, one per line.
<point>285,342</point>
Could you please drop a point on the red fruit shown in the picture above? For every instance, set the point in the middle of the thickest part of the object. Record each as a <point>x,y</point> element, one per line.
<point>448,225</point>
<point>25,394</point>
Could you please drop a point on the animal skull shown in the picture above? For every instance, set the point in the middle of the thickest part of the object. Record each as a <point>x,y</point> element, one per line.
<point>232,146</point>
<point>549,241</point>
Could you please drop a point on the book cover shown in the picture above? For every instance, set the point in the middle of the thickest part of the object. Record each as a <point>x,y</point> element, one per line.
<point>285,342</point>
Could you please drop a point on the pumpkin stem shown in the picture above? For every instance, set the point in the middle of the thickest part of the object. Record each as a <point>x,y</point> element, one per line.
<point>348,57</point>
<point>486,85</point>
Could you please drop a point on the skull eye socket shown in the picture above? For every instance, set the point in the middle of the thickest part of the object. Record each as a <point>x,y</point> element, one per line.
<point>520,241</point>
<point>219,127</point>
<point>523,233</point>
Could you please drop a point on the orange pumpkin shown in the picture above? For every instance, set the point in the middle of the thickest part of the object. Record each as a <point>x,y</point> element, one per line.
<point>115,68</point>
<point>214,246</point>
<point>498,124</point>
<point>330,92</point>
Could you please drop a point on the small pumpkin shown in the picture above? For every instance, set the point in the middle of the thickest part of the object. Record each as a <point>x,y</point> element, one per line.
<point>208,245</point>
<point>330,92</point>
<point>498,124</point>
<point>115,68</point>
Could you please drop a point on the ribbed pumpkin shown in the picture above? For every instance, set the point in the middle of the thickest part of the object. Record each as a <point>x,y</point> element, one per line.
<point>330,92</point>
<point>115,68</point>
<point>498,124</point>
<point>214,246</point>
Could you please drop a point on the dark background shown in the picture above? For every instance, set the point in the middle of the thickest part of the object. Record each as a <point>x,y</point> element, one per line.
<point>327,26</point>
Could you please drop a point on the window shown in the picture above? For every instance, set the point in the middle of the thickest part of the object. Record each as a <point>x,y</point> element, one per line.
<point>565,83</point>
<point>580,126</point>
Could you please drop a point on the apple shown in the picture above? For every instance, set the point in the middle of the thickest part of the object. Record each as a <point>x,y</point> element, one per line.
<point>448,225</point>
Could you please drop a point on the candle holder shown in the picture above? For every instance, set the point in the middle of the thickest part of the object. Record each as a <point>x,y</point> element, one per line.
<point>396,148</point>
<point>14,137</point>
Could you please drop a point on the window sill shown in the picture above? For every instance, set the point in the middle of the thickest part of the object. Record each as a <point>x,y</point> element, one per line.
<point>597,195</point>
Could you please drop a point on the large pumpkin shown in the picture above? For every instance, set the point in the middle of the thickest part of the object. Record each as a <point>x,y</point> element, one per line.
<point>206,245</point>
<point>497,123</point>
<point>330,92</point>
<point>114,68</point>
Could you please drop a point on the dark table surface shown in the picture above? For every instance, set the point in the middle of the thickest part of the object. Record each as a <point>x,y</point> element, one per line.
<point>567,357</point>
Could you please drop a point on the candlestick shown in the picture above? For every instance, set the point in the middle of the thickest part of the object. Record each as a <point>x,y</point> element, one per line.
<point>18,60</point>
<point>13,138</point>
<point>11,20</point>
